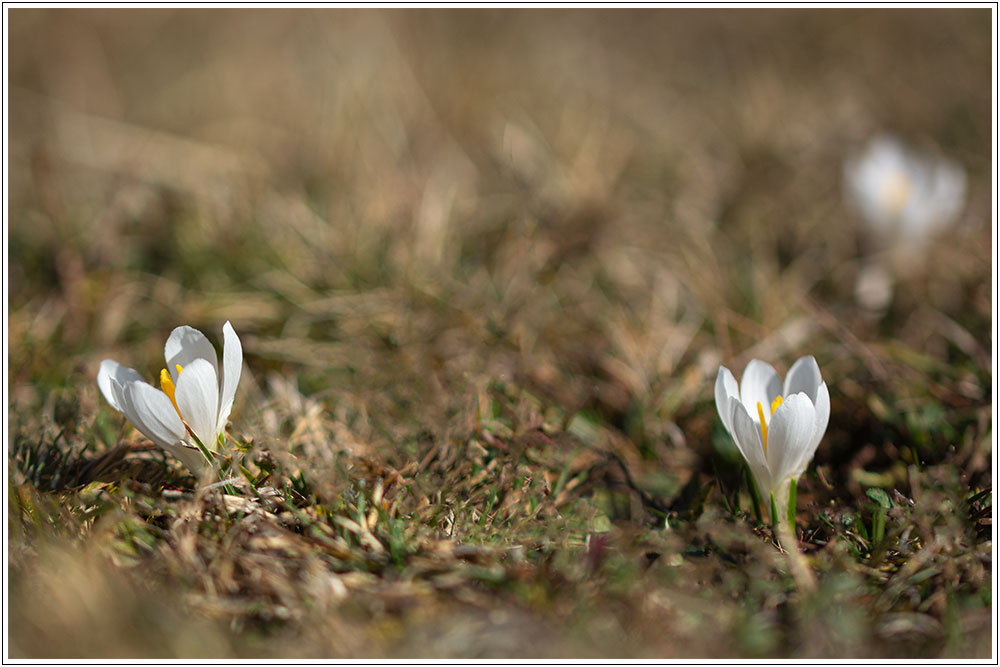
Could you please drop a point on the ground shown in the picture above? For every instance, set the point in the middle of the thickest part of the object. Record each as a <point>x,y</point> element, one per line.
<point>485,266</point>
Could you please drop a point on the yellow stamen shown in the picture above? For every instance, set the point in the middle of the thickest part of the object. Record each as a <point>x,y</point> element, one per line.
<point>167,385</point>
<point>895,193</point>
<point>775,403</point>
<point>763,424</point>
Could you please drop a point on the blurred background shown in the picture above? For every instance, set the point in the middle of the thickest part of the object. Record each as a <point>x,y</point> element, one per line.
<point>399,208</point>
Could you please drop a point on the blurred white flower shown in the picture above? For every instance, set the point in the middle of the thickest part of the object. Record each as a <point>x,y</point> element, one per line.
<point>195,397</point>
<point>902,195</point>
<point>873,286</point>
<point>776,426</point>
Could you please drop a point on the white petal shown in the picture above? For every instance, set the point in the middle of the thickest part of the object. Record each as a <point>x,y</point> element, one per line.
<point>186,344</point>
<point>883,162</point>
<point>948,188</point>
<point>192,459</point>
<point>113,372</point>
<point>197,399</point>
<point>152,413</point>
<point>232,366</point>
<point>822,419</point>
<point>118,392</point>
<point>725,389</point>
<point>746,433</point>
<point>789,436</point>
<point>760,383</point>
<point>940,193</point>
<point>861,189</point>
<point>803,377</point>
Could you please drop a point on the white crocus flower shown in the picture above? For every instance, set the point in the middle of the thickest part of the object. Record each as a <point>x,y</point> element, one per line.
<point>776,426</point>
<point>903,196</point>
<point>194,399</point>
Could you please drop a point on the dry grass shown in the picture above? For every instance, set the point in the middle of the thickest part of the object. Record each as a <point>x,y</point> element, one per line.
<point>485,266</point>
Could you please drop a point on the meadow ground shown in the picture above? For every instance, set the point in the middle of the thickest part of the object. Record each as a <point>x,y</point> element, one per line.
<point>485,266</point>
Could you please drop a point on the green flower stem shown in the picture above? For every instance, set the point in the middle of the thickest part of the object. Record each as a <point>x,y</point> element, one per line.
<point>754,494</point>
<point>227,487</point>
<point>878,526</point>
<point>201,448</point>
<point>792,494</point>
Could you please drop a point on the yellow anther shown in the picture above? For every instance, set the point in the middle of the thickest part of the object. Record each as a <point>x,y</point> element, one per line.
<point>167,385</point>
<point>763,424</point>
<point>775,403</point>
<point>895,192</point>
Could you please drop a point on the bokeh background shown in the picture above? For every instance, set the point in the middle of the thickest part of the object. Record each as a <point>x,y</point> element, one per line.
<point>406,212</point>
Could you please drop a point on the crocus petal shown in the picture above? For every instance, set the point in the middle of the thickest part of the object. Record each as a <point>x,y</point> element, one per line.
<point>937,199</point>
<point>725,389</point>
<point>760,383</point>
<point>948,190</point>
<point>152,413</point>
<point>113,372</point>
<point>871,173</point>
<point>186,344</point>
<point>803,377</point>
<point>192,459</point>
<point>197,399</point>
<point>232,366</point>
<point>789,436</point>
<point>746,433</point>
<point>822,419</point>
